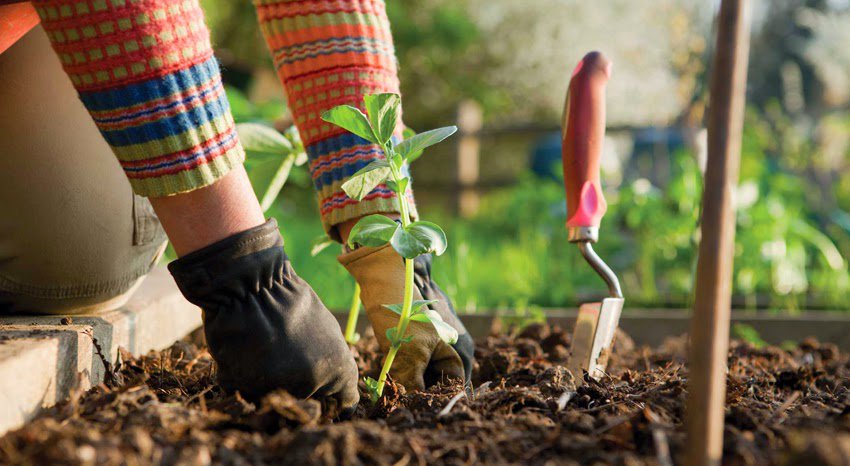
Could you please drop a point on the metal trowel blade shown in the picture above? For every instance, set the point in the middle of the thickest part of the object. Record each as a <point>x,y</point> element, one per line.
<point>593,337</point>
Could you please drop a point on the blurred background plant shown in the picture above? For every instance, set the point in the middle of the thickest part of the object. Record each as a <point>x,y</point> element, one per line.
<point>513,59</point>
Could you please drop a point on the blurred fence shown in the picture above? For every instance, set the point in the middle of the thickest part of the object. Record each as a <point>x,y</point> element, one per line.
<point>647,148</point>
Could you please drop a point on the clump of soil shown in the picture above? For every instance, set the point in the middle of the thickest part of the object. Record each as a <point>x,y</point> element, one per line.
<point>784,407</point>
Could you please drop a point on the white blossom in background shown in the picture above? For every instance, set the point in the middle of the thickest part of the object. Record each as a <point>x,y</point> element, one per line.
<point>537,43</point>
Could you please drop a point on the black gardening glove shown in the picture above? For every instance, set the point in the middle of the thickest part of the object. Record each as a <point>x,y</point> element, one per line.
<point>264,325</point>
<point>429,289</point>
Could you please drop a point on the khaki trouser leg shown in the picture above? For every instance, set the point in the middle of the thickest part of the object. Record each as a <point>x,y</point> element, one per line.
<point>73,237</point>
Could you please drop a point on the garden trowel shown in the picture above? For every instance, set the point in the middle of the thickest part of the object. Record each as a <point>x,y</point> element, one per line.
<point>583,134</point>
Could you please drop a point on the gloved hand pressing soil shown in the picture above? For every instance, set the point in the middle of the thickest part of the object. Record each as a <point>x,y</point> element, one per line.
<point>264,325</point>
<point>426,359</point>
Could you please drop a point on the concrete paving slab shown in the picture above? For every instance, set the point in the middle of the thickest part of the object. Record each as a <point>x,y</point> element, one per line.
<point>42,360</point>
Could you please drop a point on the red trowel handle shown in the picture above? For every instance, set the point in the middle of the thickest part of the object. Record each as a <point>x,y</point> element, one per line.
<point>582,136</point>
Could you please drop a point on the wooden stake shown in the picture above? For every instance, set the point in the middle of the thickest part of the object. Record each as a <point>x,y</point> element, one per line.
<point>710,322</point>
<point>470,119</point>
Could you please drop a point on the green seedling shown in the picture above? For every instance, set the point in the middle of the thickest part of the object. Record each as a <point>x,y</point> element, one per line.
<point>270,158</point>
<point>351,336</point>
<point>409,239</point>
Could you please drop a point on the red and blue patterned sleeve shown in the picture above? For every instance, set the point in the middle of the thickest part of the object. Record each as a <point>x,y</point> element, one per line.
<point>145,70</point>
<point>329,53</point>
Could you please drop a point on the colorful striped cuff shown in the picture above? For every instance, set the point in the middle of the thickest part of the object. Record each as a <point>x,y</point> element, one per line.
<point>332,162</point>
<point>330,53</point>
<point>171,134</point>
<point>145,71</point>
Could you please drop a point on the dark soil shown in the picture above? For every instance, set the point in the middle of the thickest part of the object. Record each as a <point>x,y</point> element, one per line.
<point>784,407</point>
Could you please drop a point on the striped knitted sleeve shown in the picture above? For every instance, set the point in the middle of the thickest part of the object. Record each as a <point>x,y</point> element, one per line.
<point>145,71</point>
<point>329,53</point>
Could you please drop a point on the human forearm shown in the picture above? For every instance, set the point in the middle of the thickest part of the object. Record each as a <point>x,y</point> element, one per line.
<point>204,216</point>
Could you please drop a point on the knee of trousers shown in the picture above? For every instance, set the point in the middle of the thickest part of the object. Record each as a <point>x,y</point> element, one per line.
<point>73,236</point>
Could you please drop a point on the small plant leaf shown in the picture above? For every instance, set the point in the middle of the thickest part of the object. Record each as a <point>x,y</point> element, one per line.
<point>351,119</point>
<point>396,159</point>
<point>418,143</point>
<point>400,186</point>
<point>408,133</point>
<point>446,332</point>
<point>394,307</point>
<point>383,114</point>
<point>263,141</point>
<point>372,387</point>
<point>270,158</point>
<point>407,245</point>
<point>414,308</point>
<point>391,336</point>
<point>419,304</point>
<point>366,179</point>
<point>419,238</point>
<point>294,138</point>
<point>373,230</point>
<point>319,244</point>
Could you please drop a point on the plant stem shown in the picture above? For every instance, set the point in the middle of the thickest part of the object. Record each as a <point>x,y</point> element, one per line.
<point>407,303</point>
<point>385,369</point>
<point>402,323</point>
<point>353,312</point>
<point>277,182</point>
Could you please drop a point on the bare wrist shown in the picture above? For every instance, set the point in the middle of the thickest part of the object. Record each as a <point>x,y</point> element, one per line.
<point>204,216</point>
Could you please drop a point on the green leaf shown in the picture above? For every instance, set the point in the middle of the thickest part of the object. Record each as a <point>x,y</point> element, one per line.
<point>419,142</point>
<point>270,157</point>
<point>319,244</point>
<point>373,230</point>
<point>276,182</point>
<point>408,133</point>
<point>294,138</point>
<point>399,187</point>
<point>414,308</point>
<point>391,333</point>
<point>372,387</point>
<point>394,307</point>
<point>383,114</point>
<point>419,238</point>
<point>364,181</point>
<point>262,140</point>
<point>419,304</point>
<point>391,336</point>
<point>351,119</point>
<point>446,332</point>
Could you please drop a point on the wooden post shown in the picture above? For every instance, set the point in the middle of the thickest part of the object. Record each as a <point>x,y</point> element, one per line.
<point>469,121</point>
<point>710,322</point>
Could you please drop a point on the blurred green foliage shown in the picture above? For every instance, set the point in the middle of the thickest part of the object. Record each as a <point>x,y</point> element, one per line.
<point>793,236</point>
<point>514,253</point>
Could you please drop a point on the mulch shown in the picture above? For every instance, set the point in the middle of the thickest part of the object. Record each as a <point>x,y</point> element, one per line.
<point>786,406</point>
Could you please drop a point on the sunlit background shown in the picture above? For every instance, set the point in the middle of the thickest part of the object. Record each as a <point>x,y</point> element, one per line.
<point>507,63</point>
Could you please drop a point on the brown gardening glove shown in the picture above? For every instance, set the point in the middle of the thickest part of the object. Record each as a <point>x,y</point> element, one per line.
<point>265,326</point>
<point>426,359</point>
